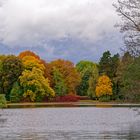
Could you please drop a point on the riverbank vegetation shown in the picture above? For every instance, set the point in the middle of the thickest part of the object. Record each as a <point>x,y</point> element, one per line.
<point>28,78</point>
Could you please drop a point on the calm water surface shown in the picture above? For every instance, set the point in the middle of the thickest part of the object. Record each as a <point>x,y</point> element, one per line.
<point>70,124</point>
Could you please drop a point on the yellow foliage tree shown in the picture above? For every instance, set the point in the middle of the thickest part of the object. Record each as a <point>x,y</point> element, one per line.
<point>35,85</point>
<point>30,61</point>
<point>104,86</point>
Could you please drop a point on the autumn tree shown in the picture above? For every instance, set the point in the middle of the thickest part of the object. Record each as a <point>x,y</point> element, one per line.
<point>2,57</point>
<point>129,11</point>
<point>36,61</point>
<point>28,53</point>
<point>68,71</point>
<point>104,87</point>
<point>35,85</point>
<point>48,71</point>
<point>29,62</point>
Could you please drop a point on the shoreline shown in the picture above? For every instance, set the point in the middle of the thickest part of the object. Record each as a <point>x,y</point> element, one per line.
<point>71,104</point>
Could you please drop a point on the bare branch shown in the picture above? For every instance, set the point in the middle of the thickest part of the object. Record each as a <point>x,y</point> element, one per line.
<point>129,11</point>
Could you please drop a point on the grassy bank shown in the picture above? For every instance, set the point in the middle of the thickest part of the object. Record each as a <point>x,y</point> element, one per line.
<point>81,103</point>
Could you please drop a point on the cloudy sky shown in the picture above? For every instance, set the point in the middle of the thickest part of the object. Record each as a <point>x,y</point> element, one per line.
<point>68,29</point>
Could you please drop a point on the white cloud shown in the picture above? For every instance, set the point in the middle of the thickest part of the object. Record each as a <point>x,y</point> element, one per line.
<point>29,22</point>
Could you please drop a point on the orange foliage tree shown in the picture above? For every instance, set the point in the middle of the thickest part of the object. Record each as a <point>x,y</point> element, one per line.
<point>69,73</point>
<point>30,61</point>
<point>48,71</point>
<point>28,53</point>
<point>104,86</point>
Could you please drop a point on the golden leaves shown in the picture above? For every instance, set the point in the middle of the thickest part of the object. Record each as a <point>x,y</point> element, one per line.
<point>104,86</point>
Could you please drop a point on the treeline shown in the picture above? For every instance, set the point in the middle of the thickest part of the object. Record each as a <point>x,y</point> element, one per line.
<point>27,77</point>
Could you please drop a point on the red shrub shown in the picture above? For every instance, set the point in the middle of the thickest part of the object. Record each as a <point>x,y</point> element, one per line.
<point>67,98</point>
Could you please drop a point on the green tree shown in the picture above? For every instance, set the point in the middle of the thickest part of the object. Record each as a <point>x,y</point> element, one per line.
<point>92,83</point>
<point>60,87</point>
<point>126,60</point>
<point>115,60</point>
<point>16,93</point>
<point>104,64</point>
<point>131,81</point>
<point>2,57</point>
<point>12,68</point>
<point>108,64</point>
<point>86,70</point>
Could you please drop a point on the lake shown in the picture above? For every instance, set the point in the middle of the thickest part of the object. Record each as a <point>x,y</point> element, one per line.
<point>78,123</point>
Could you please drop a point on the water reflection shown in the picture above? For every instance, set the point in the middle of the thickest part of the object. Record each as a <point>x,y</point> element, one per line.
<point>136,110</point>
<point>70,124</point>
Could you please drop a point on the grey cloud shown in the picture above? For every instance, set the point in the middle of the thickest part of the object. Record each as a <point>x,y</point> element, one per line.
<point>30,22</point>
